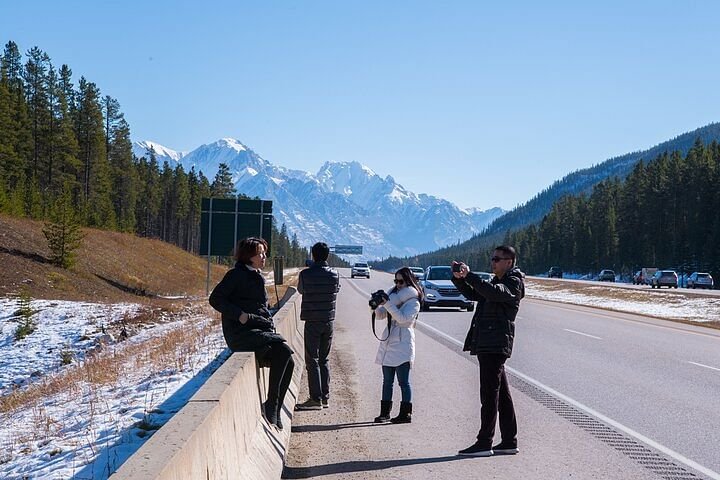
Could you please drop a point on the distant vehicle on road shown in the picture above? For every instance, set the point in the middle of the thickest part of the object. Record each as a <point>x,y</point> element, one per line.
<point>647,274</point>
<point>606,276</point>
<point>700,280</point>
<point>638,278</point>
<point>664,278</point>
<point>555,272</point>
<point>419,273</point>
<point>360,269</point>
<point>441,292</point>
<point>484,275</point>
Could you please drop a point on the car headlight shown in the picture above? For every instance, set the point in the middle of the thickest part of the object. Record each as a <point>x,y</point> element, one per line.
<point>429,295</point>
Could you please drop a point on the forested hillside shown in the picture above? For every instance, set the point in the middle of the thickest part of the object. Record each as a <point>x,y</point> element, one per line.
<point>664,214</point>
<point>66,145</point>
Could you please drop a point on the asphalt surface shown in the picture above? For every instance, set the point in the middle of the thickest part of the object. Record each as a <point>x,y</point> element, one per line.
<point>598,395</point>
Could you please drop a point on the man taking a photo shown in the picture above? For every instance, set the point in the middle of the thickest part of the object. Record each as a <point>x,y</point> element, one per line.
<point>490,337</point>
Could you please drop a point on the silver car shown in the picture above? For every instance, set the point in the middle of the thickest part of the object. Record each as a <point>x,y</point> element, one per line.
<point>700,280</point>
<point>419,273</point>
<point>664,278</point>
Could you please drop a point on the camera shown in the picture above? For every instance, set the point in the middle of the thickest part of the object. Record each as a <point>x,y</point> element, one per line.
<point>376,298</point>
<point>457,267</point>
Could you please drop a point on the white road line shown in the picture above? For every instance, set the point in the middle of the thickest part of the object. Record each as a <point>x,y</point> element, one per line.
<point>627,430</point>
<point>706,366</point>
<point>614,314</point>
<point>583,334</point>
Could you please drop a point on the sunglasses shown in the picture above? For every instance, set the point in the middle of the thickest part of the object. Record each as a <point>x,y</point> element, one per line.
<point>399,282</point>
<point>497,259</point>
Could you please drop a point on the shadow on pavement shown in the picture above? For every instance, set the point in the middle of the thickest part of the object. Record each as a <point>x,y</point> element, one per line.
<point>325,428</point>
<point>360,466</point>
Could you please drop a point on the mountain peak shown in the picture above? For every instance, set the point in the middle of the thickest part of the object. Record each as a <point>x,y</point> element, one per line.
<point>232,144</point>
<point>143,148</point>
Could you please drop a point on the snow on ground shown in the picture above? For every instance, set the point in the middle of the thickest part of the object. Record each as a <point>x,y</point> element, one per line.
<point>85,431</point>
<point>671,305</point>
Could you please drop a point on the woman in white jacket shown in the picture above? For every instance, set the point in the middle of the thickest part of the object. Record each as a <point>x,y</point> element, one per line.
<point>396,353</point>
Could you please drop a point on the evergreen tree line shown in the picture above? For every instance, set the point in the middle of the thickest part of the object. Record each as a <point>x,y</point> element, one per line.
<point>66,144</point>
<point>664,214</point>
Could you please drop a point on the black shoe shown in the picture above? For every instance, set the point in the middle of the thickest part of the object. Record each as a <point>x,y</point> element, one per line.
<point>309,404</point>
<point>477,450</point>
<point>505,449</point>
<point>270,413</point>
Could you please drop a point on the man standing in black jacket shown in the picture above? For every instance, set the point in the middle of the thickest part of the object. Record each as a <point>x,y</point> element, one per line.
<point>318,286</point>
<point>490,337</point>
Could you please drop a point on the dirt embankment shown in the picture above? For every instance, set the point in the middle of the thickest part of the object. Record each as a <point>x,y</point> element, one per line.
<point>110,267</point>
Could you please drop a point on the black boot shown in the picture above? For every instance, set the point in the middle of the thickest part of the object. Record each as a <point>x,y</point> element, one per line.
<point>270,412</point>
<point>385,407</point>
<point>405,415</point>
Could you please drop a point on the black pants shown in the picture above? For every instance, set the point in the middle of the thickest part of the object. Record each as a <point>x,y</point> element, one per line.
<point>495,400</point>
<point>318,340</point>
<point>281,371</point>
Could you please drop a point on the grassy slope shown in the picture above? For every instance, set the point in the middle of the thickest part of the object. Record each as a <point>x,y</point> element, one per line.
<point>110,265</point>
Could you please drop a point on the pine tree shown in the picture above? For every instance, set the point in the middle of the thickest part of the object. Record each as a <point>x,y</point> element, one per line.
<point>63,232</point>
<point>222,186</point>
<point>124,177</point>
<point>37,90</point>
<point>96,183</point>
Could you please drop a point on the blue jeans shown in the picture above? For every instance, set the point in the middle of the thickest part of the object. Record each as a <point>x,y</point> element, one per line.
<point>403,376</point>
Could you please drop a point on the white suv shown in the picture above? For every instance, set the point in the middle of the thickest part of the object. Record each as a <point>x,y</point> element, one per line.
<point>441,292</point>
<point>360,270</point>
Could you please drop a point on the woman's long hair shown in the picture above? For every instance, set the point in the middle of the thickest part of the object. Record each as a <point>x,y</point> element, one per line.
<point>410,281</point>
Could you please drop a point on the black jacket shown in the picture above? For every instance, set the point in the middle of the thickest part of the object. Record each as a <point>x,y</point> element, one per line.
<point>492,329</point>
<point>243,290</point>
<point>318,285</point>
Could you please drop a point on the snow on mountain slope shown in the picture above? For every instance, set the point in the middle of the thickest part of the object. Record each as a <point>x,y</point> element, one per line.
<point>344,203</point>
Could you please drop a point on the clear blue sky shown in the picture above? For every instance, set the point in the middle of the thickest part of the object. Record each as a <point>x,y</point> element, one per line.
<point>480,103</point>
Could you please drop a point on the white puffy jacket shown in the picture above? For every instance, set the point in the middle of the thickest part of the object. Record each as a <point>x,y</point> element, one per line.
<point>403,306</point>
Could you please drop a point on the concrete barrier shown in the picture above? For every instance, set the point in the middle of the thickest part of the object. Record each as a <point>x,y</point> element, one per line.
<point>220,433</point>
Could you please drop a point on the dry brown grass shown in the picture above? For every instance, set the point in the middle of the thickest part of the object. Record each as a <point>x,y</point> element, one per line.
<point>109,263</point>
<point>172,350</point>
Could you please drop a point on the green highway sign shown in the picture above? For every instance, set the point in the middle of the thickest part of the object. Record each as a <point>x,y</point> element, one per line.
<point>347,249</point>
<point>225,221</point>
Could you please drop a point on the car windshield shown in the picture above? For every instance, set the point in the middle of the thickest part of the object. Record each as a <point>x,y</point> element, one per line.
<point>361,265</point>
<point>416,270</point>
<point>668,273</point>
<point>440,273</point>
<point>703,275</point>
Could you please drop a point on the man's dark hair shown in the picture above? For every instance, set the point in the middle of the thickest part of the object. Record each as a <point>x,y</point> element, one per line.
<point>248,248</point>
<point>509,251</point>
<point>320,251</point>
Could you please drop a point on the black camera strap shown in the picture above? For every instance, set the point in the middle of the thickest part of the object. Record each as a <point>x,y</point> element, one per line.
<point>389,318</point>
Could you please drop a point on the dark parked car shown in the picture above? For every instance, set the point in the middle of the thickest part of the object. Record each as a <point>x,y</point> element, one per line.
<point>606,276</point>
<point>664,278</point>
<point>700,280</point>
<point>555,272</point>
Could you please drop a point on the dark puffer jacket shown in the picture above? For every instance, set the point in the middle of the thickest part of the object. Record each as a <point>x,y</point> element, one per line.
<point>243,290</point>
<point>318,285</point>
<point>493,325</point>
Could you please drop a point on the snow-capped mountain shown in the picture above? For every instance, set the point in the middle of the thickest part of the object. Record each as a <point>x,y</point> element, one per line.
<point>344,203</point>
<point>144,148</point>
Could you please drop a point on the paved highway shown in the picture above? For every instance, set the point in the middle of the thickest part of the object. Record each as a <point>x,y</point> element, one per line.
<point>599,394</point>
